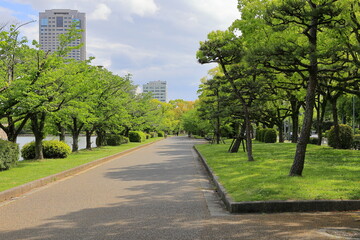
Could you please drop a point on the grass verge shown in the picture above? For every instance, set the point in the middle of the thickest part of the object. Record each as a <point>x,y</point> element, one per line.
<point>27,171</point>
<point>328,174</point>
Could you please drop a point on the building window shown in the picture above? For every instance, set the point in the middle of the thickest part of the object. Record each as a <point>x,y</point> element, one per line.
<point>59,22</point>
<point>44,22</point>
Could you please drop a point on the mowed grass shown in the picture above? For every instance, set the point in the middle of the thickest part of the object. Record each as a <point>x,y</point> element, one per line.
<point>328,173</point>
<point>27,171</point>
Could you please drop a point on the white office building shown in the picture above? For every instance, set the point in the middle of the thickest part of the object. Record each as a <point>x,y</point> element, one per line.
<point>58,21</point>
<point>158,90</point>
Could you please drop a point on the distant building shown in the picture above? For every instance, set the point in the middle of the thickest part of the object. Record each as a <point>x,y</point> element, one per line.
<point>158,90</point>
<point>58,21</point>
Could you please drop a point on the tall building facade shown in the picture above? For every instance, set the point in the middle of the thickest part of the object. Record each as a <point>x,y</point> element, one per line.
<point>158,90</point>
<point>58,21</point>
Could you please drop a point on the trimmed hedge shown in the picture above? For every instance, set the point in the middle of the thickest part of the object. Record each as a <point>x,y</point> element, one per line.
<point>116,140</point>
<point>267,135</point>
<point>9,154</point>
<point>270,135</point>
<point>51,149</point>
<point>137,136</point>
<point>346,137</point>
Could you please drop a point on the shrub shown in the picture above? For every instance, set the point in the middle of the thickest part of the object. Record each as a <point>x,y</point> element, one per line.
<point>270,135</point>
<point>9,154</point>
<point>137,136</point>
<point>356,142</point>
<point>51,149</point>
<point>113,139</point>
<point>345,140</point>
<point>124,140</point>
<point>153,134</point>
<point>313,140</point>
<point>161,134</point>
<point>259,134</point>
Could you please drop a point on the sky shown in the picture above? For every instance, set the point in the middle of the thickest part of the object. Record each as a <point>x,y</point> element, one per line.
<point>150,39</point>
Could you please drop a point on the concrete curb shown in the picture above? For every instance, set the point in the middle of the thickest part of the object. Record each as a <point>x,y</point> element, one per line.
<point>22,189</point>
<point>278,206</point>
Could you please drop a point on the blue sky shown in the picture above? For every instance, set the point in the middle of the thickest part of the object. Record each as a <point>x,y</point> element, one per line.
<point>151,39</point>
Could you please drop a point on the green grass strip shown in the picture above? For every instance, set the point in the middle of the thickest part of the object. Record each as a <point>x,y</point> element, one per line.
<point>328,174</point>
<point>27,171</point>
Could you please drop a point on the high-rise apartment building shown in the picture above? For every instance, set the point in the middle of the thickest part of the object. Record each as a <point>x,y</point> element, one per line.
<point>158,90</point>
<point>58,21</point>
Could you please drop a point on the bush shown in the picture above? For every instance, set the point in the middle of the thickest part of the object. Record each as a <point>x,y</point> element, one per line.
<point>116,140</point>
<point>153,134</point>
<point>313,140</point>
<point>161,134</point>
<point>345,140</point>
<point>356,142</point>
<point>9,154</point>
<point>113,140</point>
<point>259,134</point>
<point>51,149</point>
<point>137,136</point>
<point>270,135</point>
<point>124,140</point>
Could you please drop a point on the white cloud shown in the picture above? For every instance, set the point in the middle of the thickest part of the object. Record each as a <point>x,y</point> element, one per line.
<point>7,16</point>
<point>142,7</point>
<point>102,12</point>
<point>223,12</point>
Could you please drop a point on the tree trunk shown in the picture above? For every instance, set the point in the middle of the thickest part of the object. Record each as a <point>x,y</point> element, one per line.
<point>281,132</point>
<point>88,139</point>
<point>75,130</point>
<point>101,138</point>
<point>12,130</point>
<point>336,122</point>
<point>299,160</point>
<point>248,134</point>
<point>37,126</point>
<point>217,131</point>
<point>321,115</point>
<point>240,136</point>
<point>61,131</point>
<point>295,110</point>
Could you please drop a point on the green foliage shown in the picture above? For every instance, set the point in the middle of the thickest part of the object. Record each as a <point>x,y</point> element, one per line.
<point>313,140</point>
<point>116,140</point>
<point>270,135</point>
<point>113,139</point>
<point>137,136</point>
<point>161,134</point>
<point>260,134</point>
<point>152,134</point>
<point>356,142</point>
<point>51,149</point>
<point>267,135</point>
<point>9,154</point>
<point>345,140</point>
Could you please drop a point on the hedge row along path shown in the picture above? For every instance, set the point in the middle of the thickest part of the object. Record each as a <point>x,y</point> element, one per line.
<point>157,192</point>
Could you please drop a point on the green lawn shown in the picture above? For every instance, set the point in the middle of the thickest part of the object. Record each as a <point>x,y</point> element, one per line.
<point>328,173</point>
<point>27,171</point>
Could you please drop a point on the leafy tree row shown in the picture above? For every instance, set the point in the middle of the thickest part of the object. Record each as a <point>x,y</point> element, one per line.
<point>281,57</point>
<point>48,92</point>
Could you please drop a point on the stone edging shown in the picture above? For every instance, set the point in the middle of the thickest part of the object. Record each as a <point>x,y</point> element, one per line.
<point>22,189</point>
<point>278,206</point>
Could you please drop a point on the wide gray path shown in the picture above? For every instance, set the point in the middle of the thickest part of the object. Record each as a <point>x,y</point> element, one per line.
<point>158,192</point>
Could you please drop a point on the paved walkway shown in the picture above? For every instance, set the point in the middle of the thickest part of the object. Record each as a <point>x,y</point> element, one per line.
<point>158,192</point>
